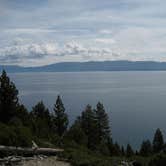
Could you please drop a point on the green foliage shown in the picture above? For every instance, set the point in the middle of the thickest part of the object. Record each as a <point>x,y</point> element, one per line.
<point>52,142</point>
<point>122,151</point>
<point>95,125</point>
<point>40,120</point>
<point>83,157</point>
<point>23,136</point>
<point>146,148</point>
<point>158,160</point>
<point>103,149</point>
<point>7,135</point>
<point>116,150</point>
<point>129,151</point>
<point>60,117</point>
<point>21,116</point>
<point>40,111</point>
<point>15,136</point>
<point>111,147</point>
<point>102,124</point>
<point>158,141</point>
<point>8,98</point>
<point>76,133</point>
<point>88,124</point>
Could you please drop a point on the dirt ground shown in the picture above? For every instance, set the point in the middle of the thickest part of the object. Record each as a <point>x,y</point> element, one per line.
<point>50,161</point>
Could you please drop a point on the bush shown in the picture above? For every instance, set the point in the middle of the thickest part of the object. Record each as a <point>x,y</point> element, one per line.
<point>23,136</point>
<point>83,157</point>
<point>158,160</point>
<point>15,136</point>
<point>7,135</point>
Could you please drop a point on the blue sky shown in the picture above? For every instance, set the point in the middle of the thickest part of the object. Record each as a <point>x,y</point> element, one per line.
<point>40,32</point>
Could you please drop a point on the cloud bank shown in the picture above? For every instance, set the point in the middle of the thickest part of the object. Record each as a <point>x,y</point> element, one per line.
<point>46,53</point>
<point>82,30</point>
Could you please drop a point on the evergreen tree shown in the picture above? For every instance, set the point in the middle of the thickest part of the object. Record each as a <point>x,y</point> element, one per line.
<point>114,148</point>
<point>110,146</point>
<point>122,151</point>
<point>21,117</point>
<point>40,111</point>
<point>102,120</point>
<point>23,114</point>
<point>41,120</point>
<point>129,151</point>
<point>146,148</point>
<point>8,98</point>
<point>76,133</point>
<point>88,124</point>
<point>136,153</point>
<point>158,141</point>
<point>60,117</point>
<point>117,150</point>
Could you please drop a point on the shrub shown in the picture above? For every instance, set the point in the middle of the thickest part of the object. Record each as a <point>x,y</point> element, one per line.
<point>81,156</point>
<point>158,160</point>
<point>15,136</point>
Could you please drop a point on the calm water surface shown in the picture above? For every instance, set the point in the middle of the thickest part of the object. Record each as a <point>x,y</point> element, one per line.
<point>135,101</point>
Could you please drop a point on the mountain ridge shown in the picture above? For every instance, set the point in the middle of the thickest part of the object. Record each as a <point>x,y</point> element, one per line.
<point>122,65</point>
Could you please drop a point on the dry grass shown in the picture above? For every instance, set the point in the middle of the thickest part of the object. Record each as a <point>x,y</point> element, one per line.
<point>50,161</point>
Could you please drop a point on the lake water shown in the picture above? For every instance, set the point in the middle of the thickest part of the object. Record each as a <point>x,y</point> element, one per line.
<point>135,101</point>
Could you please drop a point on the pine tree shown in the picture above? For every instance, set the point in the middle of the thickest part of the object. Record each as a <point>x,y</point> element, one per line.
<point>60,117</point>
<point>40,111</point>
<point>110,145</point>
<point>8,98</point>
<point>117,150</point>
<point>88,124</point>
<point>102,120</point>
<point>129,151</point>
<point>76,133</point>
<point>146,148</point>
<point>158,141</point>
<point>122,151</point>
<point>41,120</point>
<point>22,116</point>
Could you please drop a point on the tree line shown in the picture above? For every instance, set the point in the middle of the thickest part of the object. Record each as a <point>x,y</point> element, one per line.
<point>18,126</point>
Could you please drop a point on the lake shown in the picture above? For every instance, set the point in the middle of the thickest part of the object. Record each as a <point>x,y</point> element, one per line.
<point>135,101</point>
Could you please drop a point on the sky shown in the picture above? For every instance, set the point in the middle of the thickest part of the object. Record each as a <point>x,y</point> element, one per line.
<point>41,32</point>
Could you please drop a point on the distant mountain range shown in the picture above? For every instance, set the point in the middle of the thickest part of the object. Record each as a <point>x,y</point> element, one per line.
<point>91,66</point>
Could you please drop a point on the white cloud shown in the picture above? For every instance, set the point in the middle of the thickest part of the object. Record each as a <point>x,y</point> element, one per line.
<point>105,40</point>
<point>105,31</point>
<point>29,30</point>
<point>27,51</point>
<point>44,53</point>
<point>101,30</point>
<point>144,41</point>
